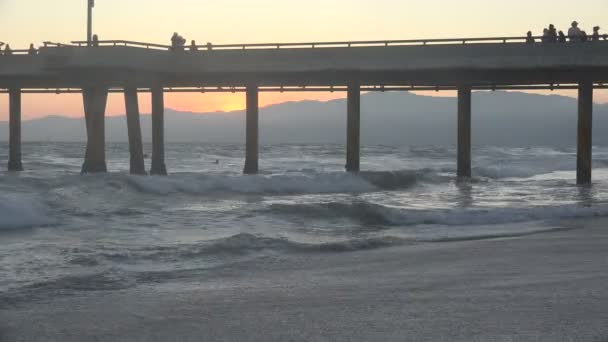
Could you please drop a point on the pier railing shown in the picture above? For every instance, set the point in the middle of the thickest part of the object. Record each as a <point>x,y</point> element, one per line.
<point>313,45</point>
<point>302,45</point>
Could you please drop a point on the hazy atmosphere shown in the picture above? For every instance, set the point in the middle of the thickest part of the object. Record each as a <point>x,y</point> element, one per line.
<point>212,171</point>
<point>243,21</point>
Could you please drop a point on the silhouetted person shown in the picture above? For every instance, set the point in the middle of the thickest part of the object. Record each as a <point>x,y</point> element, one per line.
<point>596,34</point>
<point>193,46</point>
<point>545,37</point>
<point>574,33</point>
<point>32,50</point>
<point>561,37</point>
<point>529,38</point>
<point>552,34</point>
<point>209,46</point>
<point>95,40</point>
<point>177,42</point>
<point>174,41</point>
<point>584,37</point>
<point>7,50</point>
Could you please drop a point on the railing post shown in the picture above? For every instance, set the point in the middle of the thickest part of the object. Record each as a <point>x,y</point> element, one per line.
<point>137,165</point>
<point>252,131</point>
<point>353,128</point>
<point>14,161</point>
<point>585,135</point>
<point>464,131</point>
<point>158,132</point>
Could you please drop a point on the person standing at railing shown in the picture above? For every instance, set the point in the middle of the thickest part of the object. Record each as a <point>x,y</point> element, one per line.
<point>596,34</point>
<point>95,40</point>
<point>7,50</point>
<point>545,38</point>
<point>584,37</point>
<point>552,34</point>
<point>32,50</point>
<point>177,42</point>
<point>174,41</point>
<point>529,38</point>
<point>561,37</point>
<point>574,33</point>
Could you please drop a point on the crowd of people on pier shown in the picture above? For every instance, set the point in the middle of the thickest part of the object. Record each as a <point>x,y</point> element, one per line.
<point>575,34</point>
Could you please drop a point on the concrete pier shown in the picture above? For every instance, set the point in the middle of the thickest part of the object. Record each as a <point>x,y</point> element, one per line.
<point>14,161</point>
<point>95,100</point>
<point>353,128</point>
<point>464,131</point>
<point>158,133</point>
<point>585,136</point>
<point>252,134</point>
<point>136,149</point>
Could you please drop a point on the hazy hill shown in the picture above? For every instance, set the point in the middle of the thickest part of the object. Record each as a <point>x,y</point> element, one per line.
<point>499,118</point>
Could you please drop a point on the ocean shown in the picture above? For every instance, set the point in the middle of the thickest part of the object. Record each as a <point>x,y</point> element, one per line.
<point>63,233</point>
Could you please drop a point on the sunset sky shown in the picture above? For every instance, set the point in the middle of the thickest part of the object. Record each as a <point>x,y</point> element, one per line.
<point>246,21</point>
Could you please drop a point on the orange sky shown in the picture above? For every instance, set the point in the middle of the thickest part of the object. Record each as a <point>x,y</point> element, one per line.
<point>246,21</point>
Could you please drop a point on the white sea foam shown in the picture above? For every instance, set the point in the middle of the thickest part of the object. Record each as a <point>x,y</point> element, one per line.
<point>22,211</point>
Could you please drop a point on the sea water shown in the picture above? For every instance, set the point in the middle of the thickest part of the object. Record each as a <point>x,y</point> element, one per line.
<point>62,232</point>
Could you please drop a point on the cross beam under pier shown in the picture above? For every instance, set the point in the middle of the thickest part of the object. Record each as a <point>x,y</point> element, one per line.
<point>385,88</point>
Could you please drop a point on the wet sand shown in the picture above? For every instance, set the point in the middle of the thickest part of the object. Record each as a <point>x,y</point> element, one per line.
<point>543,287</point>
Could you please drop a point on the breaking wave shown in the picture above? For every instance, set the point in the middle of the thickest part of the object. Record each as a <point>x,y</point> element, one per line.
<point>371,213</point>
<point>285,184</point>
<point>22,211</point>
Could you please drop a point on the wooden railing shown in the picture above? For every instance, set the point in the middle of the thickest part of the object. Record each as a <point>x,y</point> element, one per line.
<point>313,45</point>
<point>302,45</point>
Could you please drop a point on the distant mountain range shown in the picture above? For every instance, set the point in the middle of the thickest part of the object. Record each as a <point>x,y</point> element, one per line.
<point>499,118</point>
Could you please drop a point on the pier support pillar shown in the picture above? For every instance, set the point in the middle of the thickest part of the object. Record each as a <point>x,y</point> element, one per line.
<point>585,135</point>
<point>158,133</point>
<point>252,131</point>
<point>136,149</point>
<point>464,132</point>
<point>94,111</point>
<point>353,128</point>
<point>14,160</point>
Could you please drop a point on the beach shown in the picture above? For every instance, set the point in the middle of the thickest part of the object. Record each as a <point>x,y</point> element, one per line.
<point>540,287</point>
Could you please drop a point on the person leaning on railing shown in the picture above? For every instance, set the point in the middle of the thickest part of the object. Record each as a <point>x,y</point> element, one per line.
<point>574,33</point>
<point>529,38</point>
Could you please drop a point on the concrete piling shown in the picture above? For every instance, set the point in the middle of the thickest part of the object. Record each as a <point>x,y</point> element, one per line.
<point>137,166</point>
<point>14,161</point>
<point>252,131</point>
<point>464,132</point>
<point>158,133</point>
<point>95,100</point>
<point>585,135</point>
<point>353,128</point>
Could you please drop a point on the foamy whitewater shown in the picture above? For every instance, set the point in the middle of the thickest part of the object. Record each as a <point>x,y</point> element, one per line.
<point>63,232</point>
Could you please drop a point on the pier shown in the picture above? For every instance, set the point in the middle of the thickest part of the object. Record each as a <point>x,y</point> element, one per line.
<point>459,64</point>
